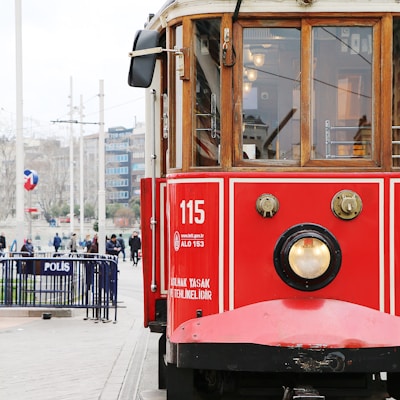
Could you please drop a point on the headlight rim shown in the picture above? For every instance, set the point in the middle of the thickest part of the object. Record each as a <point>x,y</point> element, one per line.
<point>292,236</point>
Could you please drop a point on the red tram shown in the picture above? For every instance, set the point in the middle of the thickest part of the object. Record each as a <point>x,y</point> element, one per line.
<point>271,202</point>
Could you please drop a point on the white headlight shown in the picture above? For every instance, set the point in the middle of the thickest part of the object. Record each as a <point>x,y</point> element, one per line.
<point>309,258</point>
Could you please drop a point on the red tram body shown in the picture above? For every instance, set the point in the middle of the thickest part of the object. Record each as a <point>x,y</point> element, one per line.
<point>272,274</point>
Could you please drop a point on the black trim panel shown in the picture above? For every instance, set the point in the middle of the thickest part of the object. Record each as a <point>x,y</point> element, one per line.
<point>259,358</point>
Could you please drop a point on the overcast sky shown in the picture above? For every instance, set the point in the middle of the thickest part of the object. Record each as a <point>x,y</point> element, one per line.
<point>87,40</point>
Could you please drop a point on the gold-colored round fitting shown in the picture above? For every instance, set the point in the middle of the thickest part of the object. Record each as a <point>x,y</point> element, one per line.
<point>267,205</point>
<point>346,204</point>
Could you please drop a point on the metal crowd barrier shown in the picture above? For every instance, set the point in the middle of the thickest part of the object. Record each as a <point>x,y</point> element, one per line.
<point>60,280</point>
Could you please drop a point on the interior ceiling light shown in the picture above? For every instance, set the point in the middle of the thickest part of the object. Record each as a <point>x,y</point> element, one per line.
<point>247,87</point>
<point>247,56</point>
<point>258,59</point>
<point>251,75</point>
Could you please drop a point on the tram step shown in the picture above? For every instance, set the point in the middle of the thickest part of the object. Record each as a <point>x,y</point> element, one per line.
<point>302,393</point>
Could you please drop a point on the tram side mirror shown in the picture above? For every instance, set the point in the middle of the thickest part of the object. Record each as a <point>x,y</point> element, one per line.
<point>143,61</point>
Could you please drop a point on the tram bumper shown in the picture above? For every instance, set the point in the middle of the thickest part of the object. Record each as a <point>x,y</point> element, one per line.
<point>292,335</point>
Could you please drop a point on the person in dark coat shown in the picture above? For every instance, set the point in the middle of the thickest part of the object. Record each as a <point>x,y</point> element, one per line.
<point>72,243</point>
<point>2,242</point>
<point>27,247</point>
<point>94,247</point>
<point>121,242</point>
<point>135,244</point>
<point>27,250</point>
<point>88,243</point>
<point>112,246</point>
<point>56,242</point>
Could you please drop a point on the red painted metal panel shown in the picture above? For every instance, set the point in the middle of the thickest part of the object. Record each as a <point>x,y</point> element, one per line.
<point>305,202</point>
<point>221,249</point>
<point>395,250</point>
<point>195,249</point>
<point>306,323</point>
<point>150,297</point>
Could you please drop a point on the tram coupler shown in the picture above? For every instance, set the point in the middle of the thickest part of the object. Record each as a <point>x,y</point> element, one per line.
<point>301,393</point>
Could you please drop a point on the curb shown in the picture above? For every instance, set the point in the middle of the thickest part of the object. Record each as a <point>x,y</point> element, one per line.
<point>23,312</point>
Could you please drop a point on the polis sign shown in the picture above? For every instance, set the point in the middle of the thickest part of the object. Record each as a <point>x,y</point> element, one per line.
<point>56,268</point>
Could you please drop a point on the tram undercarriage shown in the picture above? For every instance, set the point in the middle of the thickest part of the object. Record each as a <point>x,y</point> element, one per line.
<point>219,356</point>
<point>185,384</point>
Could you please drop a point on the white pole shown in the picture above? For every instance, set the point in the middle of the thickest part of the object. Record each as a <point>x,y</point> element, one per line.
<point>19,137</point>
<point>81,200</point>
<point>71,160</point>
<point>102,188</point>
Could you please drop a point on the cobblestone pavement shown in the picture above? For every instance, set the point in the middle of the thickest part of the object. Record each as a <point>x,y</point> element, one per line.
<point>72,358</point>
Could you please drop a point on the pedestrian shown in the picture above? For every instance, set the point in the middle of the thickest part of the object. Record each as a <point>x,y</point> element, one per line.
<point>72,243</point>
<point>88,243</point>
<point>135,245</point>
<point>2,242</point>
<point>57,242</point>
<point>112,246</point>
<point>94,248</point>
<point>121,242</point>
<point>27,250</point>
<point>27,247</point>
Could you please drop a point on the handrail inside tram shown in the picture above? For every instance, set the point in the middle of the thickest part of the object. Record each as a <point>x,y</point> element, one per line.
<point>329,142</point>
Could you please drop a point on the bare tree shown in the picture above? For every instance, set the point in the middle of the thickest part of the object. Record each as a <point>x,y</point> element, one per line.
<point>7,177</point>
<point>52,165</point>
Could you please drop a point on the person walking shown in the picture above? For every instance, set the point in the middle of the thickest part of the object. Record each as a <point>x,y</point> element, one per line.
<point>57,242</point>
<point>72,244</point>
<point>88,243</point>
<point>27,247</point>
<point>2,242</point>
<point>27,250</point>
<point>135,245</point>
<point>121,242</point>
<point>94,248</point>
<point>112,246</point>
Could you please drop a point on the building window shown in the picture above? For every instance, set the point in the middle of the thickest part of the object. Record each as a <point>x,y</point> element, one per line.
<point>117,171</point>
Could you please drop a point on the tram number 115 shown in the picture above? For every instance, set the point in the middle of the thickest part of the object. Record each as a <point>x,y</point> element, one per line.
<point>193,212</point>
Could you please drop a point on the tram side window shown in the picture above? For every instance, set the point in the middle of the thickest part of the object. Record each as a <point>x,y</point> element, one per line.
<point>271,93</point>
<point>341,99</point>
<point>396,94</point>
<point>206,136</point>
<point>175,143</point>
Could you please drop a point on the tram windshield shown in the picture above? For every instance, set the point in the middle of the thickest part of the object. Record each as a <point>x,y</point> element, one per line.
<point>341,92</point>
<point>271,86</point>
<point>327,71</point>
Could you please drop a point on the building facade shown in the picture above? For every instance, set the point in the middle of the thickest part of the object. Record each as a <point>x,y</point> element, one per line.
<point>124,164</point>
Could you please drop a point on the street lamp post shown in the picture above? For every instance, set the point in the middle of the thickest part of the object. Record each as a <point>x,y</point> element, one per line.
<point>19,137</point>
<point>71,162</point>
<point>81,186</point>
<point>102,188</point>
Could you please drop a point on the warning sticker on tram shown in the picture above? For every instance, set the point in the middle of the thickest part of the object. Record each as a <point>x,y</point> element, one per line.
<point>190,288</point>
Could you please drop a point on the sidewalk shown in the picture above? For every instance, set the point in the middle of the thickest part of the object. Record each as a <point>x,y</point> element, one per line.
<point>71,358</point>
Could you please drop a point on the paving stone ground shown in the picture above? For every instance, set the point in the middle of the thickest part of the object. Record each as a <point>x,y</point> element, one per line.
<point>70,358</point>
